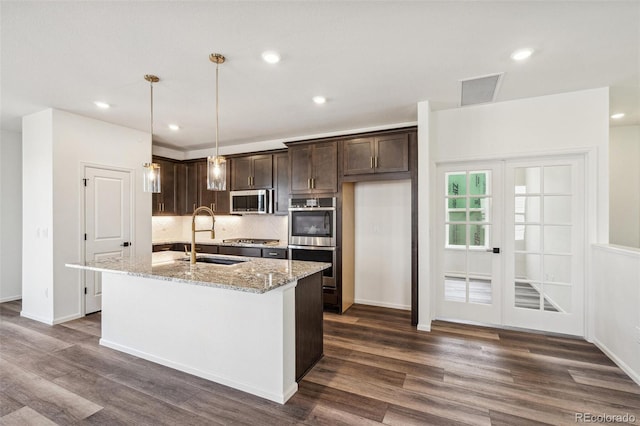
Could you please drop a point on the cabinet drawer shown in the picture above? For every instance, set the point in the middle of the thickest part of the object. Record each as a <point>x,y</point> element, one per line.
<point>274,253</point>
<point>207,248</point>
<point>240,251</point>
<point>162,247</point>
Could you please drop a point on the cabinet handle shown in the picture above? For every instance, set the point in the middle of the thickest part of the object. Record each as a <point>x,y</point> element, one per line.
<point>309,183</point>
<point>376,162</point>
<point>271,253</point>
<point>253,181</point>
<point>213,207</point>
<point>371,162</point>
<point>194,207</point>
<point>248,180</point>
<point>313,183</point>
<point>162,206</point>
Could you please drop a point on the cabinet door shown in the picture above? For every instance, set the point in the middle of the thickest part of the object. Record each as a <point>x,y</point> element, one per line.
<point>205,197</point>
<point>262,166</point>
<point>325,167</point>
<point>241,173</point>
<point>392,153</point>
<point>281,184</point>
<point>218,201</point>
<point>190,188</point>
<point>222,204</point>
<point>358,156</point>
<point>299,169</point>
<point>165,203</point>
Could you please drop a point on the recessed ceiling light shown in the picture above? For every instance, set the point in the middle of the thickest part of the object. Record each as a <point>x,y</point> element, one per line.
<point>618,116</point>
<point>102,105</point>
<point>174,127</point>
<point>319,100</point>
<point>271,57</point>
<point>521,54</point>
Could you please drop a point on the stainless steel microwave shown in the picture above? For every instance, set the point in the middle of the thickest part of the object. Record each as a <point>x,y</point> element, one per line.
<point>255,201</point>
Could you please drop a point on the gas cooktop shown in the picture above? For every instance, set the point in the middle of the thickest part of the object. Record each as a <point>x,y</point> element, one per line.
<point>265,242</point>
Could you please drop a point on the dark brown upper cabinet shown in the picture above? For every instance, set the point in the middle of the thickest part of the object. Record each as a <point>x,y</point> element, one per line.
<point>196,193</point>
<point>313,167</point>
<point>281,183</point>
<point>165,203</point>
<point>379,154</point>
<point>252,172</point>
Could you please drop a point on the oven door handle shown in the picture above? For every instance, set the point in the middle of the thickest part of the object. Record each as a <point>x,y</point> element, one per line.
<point>326,248</point>
<point>312,209</point>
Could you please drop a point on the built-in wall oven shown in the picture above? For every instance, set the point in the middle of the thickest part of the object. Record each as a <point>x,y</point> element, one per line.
<point>312,233</point>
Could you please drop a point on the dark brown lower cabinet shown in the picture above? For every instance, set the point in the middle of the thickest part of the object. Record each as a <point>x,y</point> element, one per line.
<point>309,330</point>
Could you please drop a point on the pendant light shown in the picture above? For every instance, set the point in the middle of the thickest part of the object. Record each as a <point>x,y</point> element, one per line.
<point>216,165</point>
<point>151,176</point>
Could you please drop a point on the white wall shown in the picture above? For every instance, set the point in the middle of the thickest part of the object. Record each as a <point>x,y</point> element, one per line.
<point>568,122</point>
<point>624,186</point>
<point>10,216</point>
<point>383,244</point>
<point>616,275</point>
<point>59,144</point>
<point>37,215</point>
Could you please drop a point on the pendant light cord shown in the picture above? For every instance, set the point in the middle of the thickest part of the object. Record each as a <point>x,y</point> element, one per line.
<point>217,109</point>
<point>151,123</point>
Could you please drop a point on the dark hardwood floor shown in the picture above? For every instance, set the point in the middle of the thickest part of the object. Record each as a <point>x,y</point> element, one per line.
<point>376,369</point>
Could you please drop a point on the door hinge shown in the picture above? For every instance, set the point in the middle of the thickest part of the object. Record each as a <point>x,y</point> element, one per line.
<point>85,237</point>
<point>85,290</point>
<point>85,181</point>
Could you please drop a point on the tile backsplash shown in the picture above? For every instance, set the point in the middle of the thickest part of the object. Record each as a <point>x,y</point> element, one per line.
<point>178,228</point>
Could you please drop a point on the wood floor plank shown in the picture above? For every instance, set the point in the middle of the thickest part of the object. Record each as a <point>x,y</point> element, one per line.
<point>377,369</point>
<point>8,405</point>
<point>32,338</point>
<point>126,405</point>
<point>401,416</point>
<point>25,416</point>
<point>45,396</point>
<point>325,373</point>
<point>357,405</point>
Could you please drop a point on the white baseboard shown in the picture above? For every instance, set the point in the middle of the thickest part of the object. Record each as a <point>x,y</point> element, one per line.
<point>382,304</point>
<point>67,318</point>
<point>10,298</point>
<point>36,317</point>
<point>424,327</point>
<point>635,375</point>
<point>276,397</point>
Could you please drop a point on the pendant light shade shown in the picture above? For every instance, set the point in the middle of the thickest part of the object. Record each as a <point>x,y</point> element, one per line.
<point>216,165</point>
<point>151,175</point>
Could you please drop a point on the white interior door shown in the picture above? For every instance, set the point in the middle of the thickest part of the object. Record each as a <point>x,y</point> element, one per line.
<point>544,256</point>
<point>107,224</point>
<point>469,229</point>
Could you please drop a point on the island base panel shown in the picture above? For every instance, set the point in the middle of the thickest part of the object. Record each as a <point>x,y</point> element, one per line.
<point>235,338</point>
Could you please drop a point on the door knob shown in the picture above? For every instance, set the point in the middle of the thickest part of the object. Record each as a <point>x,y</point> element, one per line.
<point>126,244</point>
<point>494,250</point>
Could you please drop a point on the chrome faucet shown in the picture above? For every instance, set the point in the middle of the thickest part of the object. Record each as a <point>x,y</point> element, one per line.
<point>194,230</point>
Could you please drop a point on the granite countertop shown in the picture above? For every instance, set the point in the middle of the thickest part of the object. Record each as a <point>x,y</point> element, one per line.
<point>256,275</point>
<point>222,243</point>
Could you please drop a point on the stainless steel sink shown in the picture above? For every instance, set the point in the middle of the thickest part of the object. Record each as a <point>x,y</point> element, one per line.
<point>216,260</point>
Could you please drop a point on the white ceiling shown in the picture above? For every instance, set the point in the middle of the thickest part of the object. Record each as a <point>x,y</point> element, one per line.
<point>372,60</point>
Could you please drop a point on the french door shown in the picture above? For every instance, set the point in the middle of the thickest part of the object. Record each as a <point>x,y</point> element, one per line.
<point>511,243</point>
<point>470,217</point>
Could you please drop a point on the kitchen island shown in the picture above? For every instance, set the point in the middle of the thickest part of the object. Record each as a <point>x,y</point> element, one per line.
<point>255,325</point>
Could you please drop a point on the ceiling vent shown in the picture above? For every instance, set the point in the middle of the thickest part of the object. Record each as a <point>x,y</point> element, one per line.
<point>479,90</point>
